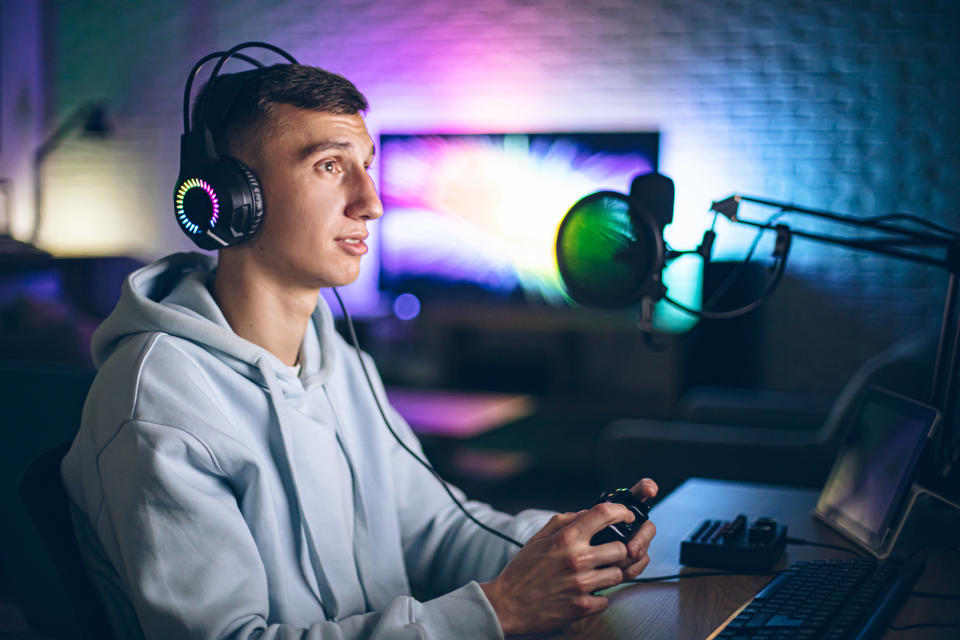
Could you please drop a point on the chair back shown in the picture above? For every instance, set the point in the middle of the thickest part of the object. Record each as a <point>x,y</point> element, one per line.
<point>42,405</point>
<point>906,367</point>
<point>43,496</point>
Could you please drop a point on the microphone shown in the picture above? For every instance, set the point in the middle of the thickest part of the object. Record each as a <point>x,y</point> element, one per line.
<point>610,249</point>
<point>611,253</point>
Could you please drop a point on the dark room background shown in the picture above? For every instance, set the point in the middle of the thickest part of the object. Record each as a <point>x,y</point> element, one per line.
<point>849,106</point>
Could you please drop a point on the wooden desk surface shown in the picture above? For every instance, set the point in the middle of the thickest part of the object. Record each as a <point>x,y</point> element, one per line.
<point>693,608</point>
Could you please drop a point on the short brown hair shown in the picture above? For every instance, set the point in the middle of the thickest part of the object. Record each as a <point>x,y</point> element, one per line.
<point>242,102</point>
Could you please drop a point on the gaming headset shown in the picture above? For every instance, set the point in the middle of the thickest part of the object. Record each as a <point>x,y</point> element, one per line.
<point>217,200</point>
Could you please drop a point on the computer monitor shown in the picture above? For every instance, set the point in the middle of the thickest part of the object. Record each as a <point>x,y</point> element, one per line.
<point>865,494</point>
<point>473,218</point>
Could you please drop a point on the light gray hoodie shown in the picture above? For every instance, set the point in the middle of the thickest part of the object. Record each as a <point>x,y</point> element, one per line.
<point>217,494</point>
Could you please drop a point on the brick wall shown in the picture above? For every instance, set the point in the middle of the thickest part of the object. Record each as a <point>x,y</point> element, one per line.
<point>846,105</point>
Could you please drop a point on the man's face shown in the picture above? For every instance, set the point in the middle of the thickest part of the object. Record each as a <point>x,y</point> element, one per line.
<point>318,197</point>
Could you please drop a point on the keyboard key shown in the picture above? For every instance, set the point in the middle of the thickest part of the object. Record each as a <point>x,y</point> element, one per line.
<point>759,620</point>
<point>783,621</point>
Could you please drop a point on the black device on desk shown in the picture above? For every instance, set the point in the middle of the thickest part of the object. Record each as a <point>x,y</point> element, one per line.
<point>735,545</point>
<point>864,499</point>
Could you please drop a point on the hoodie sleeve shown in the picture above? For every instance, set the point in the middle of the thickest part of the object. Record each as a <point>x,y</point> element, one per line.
<point>443,548</point>
<point>171,525</point>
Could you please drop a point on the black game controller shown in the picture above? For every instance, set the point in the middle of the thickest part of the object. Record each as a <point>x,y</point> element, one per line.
<point>621,531</point>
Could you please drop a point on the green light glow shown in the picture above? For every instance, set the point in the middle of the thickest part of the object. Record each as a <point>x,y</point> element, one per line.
<point>597,241</point>
<point>684,281</point>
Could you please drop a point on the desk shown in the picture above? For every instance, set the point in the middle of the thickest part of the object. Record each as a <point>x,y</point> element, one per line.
<point>693,608</point>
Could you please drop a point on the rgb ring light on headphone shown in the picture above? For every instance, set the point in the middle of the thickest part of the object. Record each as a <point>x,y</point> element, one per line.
<point>185,187</point>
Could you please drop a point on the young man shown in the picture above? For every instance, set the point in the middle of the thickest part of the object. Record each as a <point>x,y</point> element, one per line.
<point>233,478</point>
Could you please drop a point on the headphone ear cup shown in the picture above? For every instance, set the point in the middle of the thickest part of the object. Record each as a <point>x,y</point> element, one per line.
<point>221,206</point>
<point>246,222</point>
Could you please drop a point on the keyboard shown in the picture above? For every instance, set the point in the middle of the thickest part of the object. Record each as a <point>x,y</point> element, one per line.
<point>826,599</point>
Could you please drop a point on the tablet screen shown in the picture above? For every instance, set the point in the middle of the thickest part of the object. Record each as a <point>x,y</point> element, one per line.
<point>876,464</point>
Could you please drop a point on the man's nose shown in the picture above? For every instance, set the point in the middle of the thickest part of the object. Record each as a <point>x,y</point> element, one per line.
<point>366,202</point>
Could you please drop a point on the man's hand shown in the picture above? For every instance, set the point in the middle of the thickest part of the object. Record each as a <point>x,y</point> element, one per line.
<point>551,580</point>
<point>637,558</point>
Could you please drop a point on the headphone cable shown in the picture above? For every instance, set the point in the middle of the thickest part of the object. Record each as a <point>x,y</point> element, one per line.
<point>383,414</point>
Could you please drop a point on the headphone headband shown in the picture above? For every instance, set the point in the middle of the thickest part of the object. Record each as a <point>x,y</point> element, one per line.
<point>214,75</point>
<point>217,200</point>
<point>196,71</point>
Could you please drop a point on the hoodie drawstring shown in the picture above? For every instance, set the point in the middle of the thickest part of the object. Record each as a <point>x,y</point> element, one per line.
<point>313,572</point>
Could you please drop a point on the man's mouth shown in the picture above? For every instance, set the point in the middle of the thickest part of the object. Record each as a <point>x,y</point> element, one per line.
<point>354,244</point>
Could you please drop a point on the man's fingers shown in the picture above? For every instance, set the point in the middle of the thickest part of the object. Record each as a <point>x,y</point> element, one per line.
<point>636,568</point>
<point>641,539</point>
<point>646,488</point>
<point>602,579</point>
<point>553,525</point>
<point>589,605</point>
<point>609,553</point>
<point>597,517</point>
<point>634,553</point>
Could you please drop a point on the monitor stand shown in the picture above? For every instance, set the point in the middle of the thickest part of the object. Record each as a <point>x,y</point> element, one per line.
<point>920,502</point>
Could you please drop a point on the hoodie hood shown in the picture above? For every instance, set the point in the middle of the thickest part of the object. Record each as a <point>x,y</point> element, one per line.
<point>172,296</point>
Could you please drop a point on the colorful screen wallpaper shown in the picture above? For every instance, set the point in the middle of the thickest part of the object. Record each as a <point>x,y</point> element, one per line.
<point>475,216</point>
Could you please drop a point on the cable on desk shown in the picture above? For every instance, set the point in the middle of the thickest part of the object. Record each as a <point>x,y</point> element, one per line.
<point>930,625</point>
<point>927,625</point>
<point>705,574</point>
<point>920,547</point>
<point>808,543</point>
<point>939,596</point>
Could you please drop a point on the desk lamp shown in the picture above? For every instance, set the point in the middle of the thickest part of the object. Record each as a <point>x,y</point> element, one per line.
<point>91,118</point>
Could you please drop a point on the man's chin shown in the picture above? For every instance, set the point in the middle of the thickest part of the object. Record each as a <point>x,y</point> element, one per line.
<point>340,280</point>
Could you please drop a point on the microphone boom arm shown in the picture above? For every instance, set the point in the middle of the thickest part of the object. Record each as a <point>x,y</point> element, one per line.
<point>943,389</point>
<point>728,207</point>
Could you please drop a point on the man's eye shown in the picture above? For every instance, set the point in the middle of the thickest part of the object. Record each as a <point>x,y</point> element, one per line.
<point>329,165</point>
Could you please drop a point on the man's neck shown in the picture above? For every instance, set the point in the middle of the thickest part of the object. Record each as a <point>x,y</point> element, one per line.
<point>262,310</point>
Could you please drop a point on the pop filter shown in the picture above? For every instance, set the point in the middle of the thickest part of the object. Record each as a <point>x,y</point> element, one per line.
<point>610,248</point>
